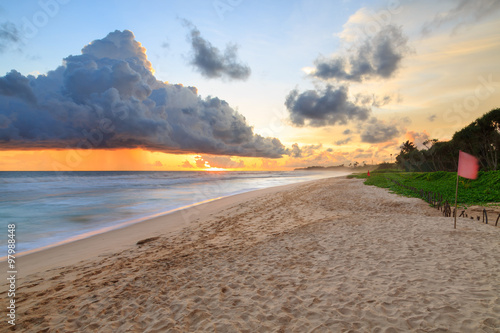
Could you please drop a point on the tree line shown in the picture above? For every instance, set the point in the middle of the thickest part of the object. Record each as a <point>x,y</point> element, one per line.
<point>481,138</point>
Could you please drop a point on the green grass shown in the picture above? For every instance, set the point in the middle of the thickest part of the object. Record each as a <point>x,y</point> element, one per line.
<point>483,190</point>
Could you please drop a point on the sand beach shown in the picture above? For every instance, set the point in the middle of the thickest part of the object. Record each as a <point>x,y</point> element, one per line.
<point>332,255</point>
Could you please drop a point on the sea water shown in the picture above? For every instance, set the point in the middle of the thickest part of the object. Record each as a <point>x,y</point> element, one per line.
<point>52,207</point>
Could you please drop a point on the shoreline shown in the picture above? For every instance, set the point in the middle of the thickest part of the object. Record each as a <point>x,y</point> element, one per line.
<point>110,240</point>
<point>111,228</point>
<point>327,255</point>
<point>80,235</point>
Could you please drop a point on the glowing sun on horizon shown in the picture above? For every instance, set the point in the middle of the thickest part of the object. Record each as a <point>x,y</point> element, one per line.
<point>211,168</point>
<point>215,169</point>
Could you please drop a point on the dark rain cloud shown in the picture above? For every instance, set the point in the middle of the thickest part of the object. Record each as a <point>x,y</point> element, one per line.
<point>15,85</point>
<point>376,57</point>
<point>379,56</point>
<point>375,131</point>
<point>211,62</point>
<point>322,108</point>
<point>107,97</point>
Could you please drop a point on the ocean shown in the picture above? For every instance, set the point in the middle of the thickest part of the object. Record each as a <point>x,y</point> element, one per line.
<point>49,208</point>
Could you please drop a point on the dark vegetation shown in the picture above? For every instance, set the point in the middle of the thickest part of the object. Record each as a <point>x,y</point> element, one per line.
<point>481,138</point>
<point>481,191</point>
<point>434,169</point>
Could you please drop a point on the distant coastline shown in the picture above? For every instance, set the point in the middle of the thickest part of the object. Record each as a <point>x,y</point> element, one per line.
<point>338,168</point>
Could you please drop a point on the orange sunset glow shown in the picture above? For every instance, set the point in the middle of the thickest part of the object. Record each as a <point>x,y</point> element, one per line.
<point>115,160</point>
<point>347,90</point>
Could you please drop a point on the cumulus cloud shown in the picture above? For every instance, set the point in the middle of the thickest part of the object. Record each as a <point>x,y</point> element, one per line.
<point>15,85</point>
<point>377,56</point>
<point>295,152</point>
<point>376,131</point>
<point>186,164</point>
<point>304,151</point>
<point>211,62</point>
<point>108,97</point>
<point>462,14</point>
<point>218,162</point>
<point>309,150</point>
<point>269,164</point>
<point>321,108</point>
<point>362,58</point>
<point>9,35</point>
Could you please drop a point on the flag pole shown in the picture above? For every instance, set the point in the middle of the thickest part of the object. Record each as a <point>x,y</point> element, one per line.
<point>468,167</point>
<point>456,205</point>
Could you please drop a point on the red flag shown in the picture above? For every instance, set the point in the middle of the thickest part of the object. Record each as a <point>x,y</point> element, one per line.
<point>368,174</point>
<point>467,165</point>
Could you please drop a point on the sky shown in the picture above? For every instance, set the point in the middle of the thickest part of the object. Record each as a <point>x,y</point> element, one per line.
<point>238,84</point>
